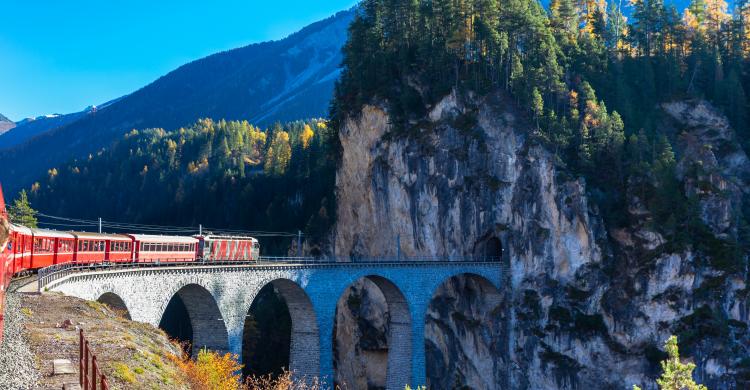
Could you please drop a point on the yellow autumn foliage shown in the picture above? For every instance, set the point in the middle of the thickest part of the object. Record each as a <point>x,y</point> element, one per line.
<point>305,136</point>
<point>211,371</point>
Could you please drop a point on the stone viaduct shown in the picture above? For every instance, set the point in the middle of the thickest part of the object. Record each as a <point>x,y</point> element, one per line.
<point>218,299</point>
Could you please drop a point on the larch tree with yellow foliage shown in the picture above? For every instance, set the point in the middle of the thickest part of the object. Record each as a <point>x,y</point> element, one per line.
<point>279,153</point>
<point>306,135</point>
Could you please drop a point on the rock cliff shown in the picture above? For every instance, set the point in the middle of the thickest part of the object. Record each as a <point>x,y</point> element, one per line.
<point>584,306</point>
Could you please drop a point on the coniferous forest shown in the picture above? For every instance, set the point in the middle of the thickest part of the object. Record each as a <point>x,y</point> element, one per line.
<point>589,78</point>
<point>223,175</point>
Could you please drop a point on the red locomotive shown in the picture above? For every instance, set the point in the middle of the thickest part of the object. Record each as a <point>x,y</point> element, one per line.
<point>25,250</point>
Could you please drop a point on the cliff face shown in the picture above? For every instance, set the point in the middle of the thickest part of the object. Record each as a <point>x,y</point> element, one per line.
<point>583,306</point>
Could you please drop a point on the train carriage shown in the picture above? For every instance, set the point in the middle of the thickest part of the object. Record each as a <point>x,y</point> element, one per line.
<point>228,248</point>
<point>119,248</point>
<point>51,247</point>
<point>93,247</point>
<point>154,248</point>
<point>6,259</point>
<point>20,242</point>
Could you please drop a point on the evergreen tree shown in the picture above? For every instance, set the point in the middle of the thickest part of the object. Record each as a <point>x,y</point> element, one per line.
<point>677,375</point>
<point>21,212</point>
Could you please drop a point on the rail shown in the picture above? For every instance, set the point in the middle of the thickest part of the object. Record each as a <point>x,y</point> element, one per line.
<point>88,374</point>
<point>50,274</point>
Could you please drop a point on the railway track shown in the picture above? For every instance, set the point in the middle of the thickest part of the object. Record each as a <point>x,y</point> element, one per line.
<point>18,284</point>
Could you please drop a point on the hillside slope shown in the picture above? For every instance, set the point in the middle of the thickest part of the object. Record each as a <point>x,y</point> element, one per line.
<point>273,81</point>
<point>32,127</point>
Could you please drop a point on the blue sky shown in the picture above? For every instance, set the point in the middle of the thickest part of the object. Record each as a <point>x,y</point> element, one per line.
<point>61,56</point>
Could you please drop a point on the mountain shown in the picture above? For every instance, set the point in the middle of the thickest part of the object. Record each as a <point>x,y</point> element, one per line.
<point>283,80</point>
<point>5,124</point>
<point>31,127</point>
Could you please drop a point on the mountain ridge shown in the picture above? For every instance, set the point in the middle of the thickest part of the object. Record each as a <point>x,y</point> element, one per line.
<point>265,82</point>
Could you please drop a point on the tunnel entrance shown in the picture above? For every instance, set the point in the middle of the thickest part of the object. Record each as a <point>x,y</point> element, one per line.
<point>267,336</point>
<point>466,335</point>
<point>372,336</point>
<point>114,302</point>
<point>192,316</point>
<point>176,323</point>
<point>493,248</point>
<point>489,249</point>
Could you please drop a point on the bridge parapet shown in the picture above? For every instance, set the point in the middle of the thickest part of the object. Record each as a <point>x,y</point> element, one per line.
<point>49,275</point>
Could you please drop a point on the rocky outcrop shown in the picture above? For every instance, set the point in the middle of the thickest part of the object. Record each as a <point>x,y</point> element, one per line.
<point>584,306</point>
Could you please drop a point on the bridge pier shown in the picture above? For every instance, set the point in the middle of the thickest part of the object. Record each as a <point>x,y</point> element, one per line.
<point>418,364</point>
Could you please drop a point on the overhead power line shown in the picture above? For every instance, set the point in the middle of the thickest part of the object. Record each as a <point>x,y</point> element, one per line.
<point>148,228</point>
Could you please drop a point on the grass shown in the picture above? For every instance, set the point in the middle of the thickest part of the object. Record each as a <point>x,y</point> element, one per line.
<point>123,372</point>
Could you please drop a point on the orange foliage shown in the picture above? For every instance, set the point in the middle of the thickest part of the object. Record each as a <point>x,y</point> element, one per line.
<point>211,371</point>
<point>285,381</point>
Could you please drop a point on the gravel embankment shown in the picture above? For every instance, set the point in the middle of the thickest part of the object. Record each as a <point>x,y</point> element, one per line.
<point>17,365</point>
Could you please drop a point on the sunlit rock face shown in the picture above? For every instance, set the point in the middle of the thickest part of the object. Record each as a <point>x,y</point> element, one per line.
<point>361,337</point>
<point>584,306</point>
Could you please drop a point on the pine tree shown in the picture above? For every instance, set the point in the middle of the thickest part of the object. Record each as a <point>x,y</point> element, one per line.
<point>21,213</point>
<point>677,375</point>
<point>537,105</point>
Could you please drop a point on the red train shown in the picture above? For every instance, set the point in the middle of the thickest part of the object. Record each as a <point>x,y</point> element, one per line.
<point>24,250</point>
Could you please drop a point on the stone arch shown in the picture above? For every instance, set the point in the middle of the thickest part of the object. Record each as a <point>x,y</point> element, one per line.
<point>115,302</point>
<point>398,372</point>
<point>304,348</point>
<point>466,309</point>
<point>206,320</point>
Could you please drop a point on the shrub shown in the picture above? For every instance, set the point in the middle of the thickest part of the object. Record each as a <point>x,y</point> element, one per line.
<point>285,381</point>
<point>211,371</point>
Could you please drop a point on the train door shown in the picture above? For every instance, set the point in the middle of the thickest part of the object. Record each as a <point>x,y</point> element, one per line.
<point>55,250</point>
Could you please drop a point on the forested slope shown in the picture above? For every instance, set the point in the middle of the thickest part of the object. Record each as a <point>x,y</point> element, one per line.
<point>228,175</point>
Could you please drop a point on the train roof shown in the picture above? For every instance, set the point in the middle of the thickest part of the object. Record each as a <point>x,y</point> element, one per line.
<point>52,233</point>
<point>20,229</point>
<point>164,239</point>
<point>225,237</point>
<point>101,236</point>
